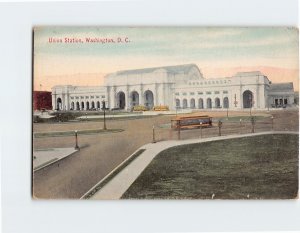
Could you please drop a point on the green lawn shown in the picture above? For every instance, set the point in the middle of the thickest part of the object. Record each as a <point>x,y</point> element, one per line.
<point>258,167</point>
<point>237,118</point>
<point>72,133</point>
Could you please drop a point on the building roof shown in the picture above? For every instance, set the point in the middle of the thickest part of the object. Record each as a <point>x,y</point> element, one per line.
<point>250,73</point>
<point>170,69</point>
<point>282,87</point>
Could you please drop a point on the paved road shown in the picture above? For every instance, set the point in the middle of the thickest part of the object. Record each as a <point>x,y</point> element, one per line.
<point>76,174</point>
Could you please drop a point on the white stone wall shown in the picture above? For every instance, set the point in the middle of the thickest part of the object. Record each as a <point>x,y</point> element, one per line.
<point>70,95</point>
<point>167,86</point>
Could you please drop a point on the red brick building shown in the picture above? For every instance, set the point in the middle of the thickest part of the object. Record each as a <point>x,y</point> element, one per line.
<point>42,100</point>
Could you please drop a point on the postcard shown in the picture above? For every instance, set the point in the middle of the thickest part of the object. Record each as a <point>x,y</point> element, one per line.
<point>165,113</point>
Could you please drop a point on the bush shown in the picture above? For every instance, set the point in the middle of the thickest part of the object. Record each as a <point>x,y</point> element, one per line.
<point>161,108</point>
<point>139,108</point>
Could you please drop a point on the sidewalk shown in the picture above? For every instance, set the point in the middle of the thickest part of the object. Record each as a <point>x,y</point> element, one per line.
<point>136,114</point>
<point>45,157</point>
<point>115,188</point>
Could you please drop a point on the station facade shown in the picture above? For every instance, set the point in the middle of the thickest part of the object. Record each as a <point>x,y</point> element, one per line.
<point>181,86</point>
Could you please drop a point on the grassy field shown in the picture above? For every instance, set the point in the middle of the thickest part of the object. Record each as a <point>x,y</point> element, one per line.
<point>258,167</point>
<point>72,133</point>
<point>237,118</point>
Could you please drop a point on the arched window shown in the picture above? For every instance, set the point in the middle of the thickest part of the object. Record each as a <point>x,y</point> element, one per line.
<point>59,104</point>
<point>217,103</point>
<point>121,100</point>
<point>149,99</point>
<point>134,98</point>
<point>226,102</point>
<point>192,103</point>
<point>184,103</point>
<point>208,103</point>
<point>247,99</point>
<point>200,103</point>
<point>177,103</point>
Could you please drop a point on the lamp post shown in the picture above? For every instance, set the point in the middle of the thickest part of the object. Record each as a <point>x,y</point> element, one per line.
<point>241,124</point>
<point>201,129</point>
<point>153,134</point>
<point>252,122</point>
<point>250,100</point>
<point>178,133</point>
<point>76,141</point>
<point>227,112</point>
<point>272,118</point>
<point>104,120</point>
<point>220,126</point>
<point>175,107</point>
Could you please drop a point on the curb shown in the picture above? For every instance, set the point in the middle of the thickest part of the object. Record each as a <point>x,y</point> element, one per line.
<point>112,174</point>
<point>50,162</point>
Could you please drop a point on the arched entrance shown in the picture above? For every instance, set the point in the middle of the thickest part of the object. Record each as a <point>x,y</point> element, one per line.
<point>121,100</point>
<point>77,106</point>
<point>200,103</point>
<point>149,99</point>
<point>184,103</point>
<point>177,103</point>
<point>72,106</point>
<point>93,104</point>
<point>208,103</point>
<point>134,96</point>
<point>192,103</point>
<point>226,102</point>
<point>247,99</point>
<point>98,104</point>
<point>217,103</point>
<point>82,105</point>
<point>87,105</point>
<point>59,104</point>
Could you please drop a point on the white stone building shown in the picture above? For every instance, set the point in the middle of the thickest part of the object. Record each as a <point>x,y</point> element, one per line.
<point>181,86</point>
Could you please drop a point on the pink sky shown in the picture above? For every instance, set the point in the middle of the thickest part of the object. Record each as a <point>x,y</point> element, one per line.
<point>218,52</point>
<point>276,75</point>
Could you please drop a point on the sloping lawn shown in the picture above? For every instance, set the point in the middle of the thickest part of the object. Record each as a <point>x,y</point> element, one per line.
<point>258,167</point>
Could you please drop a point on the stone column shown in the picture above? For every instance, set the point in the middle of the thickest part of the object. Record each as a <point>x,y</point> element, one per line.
<point>241,97</point>
<point>113,97</point>
<point>108,98</point>
<point>68,100</point>
<point>156,95</point>
<point>257,101</point>
<point>141,97</point>
<point>164,94</point>
<point>63,102</point>
<point>127,101</point>
<point>54,100</point>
